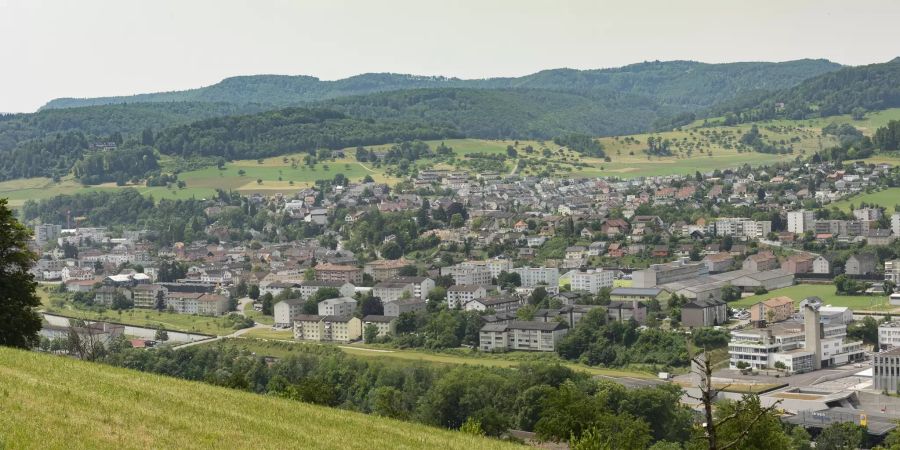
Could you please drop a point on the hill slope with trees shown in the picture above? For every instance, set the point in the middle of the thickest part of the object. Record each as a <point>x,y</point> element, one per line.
<point>850,90</point>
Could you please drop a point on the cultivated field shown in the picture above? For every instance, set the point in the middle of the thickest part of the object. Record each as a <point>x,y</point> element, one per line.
<point>54,402</point>
<point>824,291</point>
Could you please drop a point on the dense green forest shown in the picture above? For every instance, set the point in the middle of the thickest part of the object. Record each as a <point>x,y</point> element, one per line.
<point>289,130</point>
<point>851,90</point>
<point>683,83</point>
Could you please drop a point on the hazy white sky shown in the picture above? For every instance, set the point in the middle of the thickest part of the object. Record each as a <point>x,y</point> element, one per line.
<point>89,48</point>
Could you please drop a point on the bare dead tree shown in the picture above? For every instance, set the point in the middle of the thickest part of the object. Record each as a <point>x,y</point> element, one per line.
<point>85,341</point>
<point>702,367</point>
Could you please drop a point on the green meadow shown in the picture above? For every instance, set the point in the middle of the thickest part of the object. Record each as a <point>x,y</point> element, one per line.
<point>824,291</point>
<point>55,402</point>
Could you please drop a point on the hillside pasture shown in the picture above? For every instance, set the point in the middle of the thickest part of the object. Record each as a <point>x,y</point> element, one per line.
<point>54,402</point>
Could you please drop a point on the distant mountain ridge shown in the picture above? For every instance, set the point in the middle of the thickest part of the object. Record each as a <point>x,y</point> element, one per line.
<point>687,84</point>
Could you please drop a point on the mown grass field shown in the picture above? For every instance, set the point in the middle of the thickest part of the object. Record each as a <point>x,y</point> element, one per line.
<point>824,291</point>
<point>54,402</point>
<point>281,349</point>
<point>888,198</point>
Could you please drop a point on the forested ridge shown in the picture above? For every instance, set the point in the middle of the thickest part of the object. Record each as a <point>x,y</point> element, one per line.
<point>239,118</point>
<point>850,90</point>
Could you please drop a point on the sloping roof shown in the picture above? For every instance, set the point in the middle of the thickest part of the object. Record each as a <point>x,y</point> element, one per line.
<point>636,291</point>
<point>777,301</point>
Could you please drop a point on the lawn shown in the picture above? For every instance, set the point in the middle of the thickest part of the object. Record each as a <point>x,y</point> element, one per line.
<point>281,349</point>
<point>148,318</point>
<point>823,291</point>
<point>268,333</point>
<point>887,198</point>
<point>54,402</point>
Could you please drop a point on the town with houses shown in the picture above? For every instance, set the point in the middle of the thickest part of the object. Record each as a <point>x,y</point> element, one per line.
<point>531,257</point>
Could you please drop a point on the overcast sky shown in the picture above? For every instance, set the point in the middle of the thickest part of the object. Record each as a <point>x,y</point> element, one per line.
<point>90,48</point>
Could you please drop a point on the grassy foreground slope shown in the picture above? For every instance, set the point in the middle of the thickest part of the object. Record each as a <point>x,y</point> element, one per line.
<point>56,402</point>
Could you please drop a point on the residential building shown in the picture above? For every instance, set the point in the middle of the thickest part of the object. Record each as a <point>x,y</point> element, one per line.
<point>658,274</point>
<point>421,285</point>
<point>390,291</point>
<point>719,262</point>
<point>522,335</point>
<point>892,271</point>
<point>703,313</point>
<point>775,309</point>
<point>799,222</point>
<point>591,280</point>
<point>341,306</point>
<point>760,262</point>
<point>460,295</point>
<point>337,272</point>
<point>570,314</point>
<point>799,263</point>
<point>400,306</point>
<point>867,214</point>
<point>146,295</point>
<point>46,233</point>
<point>385,269</point>
<point>627,310</point>
<point>821,265</point>
<point>895,224</point>
<point>105,295</point>
<point>743,228</point>
<point>308,288</point>
<point>537,276</point>
<point>285,311</point>
<point>386,324</point>
<point>497,304</point>
<point>860,264</point>
<point>327,328</point>
<point>889,335</point>
<point>468,274</point>
<point>212,305</point>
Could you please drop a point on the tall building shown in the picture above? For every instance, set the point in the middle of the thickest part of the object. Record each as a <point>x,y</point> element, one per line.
<point>799,222</point>
<point>895,224</point>
<point>45,233</point>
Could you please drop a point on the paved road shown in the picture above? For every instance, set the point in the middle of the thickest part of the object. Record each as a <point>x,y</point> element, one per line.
<point>242,303</point>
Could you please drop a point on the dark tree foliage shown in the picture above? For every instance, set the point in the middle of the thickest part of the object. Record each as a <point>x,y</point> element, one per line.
<point>288,130</point>
<point>119,166</point>
<point>581,143</point>
<point>18,300</point>
<point>872,87</point>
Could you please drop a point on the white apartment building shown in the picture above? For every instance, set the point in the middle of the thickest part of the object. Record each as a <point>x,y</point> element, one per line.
<point>535,276</point>
<point>591,280</point>
<point>889,335</point>
<point>341,306</point>
<point>892,271</point>
<point>521,335</point>
<point>469,274</point>
<point>743,228</point>
<point>799,222</point>
<point>895,224</point>
<point>460,295</point>
<point>285,311</point>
